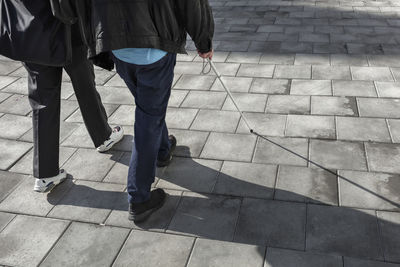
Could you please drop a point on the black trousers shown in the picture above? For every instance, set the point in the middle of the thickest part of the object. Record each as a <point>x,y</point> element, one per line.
<point>44,85</point>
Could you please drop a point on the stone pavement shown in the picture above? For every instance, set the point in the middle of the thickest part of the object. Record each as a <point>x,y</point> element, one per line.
<point>318,77</point>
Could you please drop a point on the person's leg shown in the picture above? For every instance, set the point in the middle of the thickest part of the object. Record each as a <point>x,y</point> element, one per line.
<point>82,77</point>
<point>151,87</point>
<point>44,85</point>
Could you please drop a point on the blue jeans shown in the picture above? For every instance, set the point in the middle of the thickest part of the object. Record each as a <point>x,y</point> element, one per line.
<point>151,87</point>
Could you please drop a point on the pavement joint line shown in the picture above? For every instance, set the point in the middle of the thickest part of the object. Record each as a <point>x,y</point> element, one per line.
<point>5,226</point>
<point>366,157</point>
<point>191,251</point>
<point>380,237</point>
<point>174,213</point>
<point>122,246</point>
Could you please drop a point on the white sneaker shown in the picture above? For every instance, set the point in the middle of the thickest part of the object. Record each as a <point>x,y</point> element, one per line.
<point>116,136</point>
<point>46,184</point>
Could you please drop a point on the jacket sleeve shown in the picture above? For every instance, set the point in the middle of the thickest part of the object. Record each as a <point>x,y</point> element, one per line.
<point>64,10</point>
<point>197,18</point>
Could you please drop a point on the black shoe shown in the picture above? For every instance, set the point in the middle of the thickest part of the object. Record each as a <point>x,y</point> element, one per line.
<point>165,162</point>
<point>138,212</point>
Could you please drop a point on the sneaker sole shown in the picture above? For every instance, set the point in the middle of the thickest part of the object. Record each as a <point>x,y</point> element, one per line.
<point>145,215</point>
<point>48,188</point>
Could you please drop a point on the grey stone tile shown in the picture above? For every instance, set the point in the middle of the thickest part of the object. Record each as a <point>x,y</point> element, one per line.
<point>195,82</point>
<point>5,219</point>
<point>311,126</point>
<point>328,231</point>
<point>338,154</point>
<point>119,172</point>
<point>213,120</point>
<point>292,72</point>
<point>267,152</point>
<point>314,37</point>
<point>271,223</point>
<point>4,96</point>
<point>88,202</point>
<point>215,253</point>
<point>349,60</point>
<point>158,221</point>
<point>8,182</point>
<point>235,147</point>
<point>331,73</point>
<point>265,47</point>
<point>101,76</point>
<point>270,86</point>
<point>394,128</point>
<point>124,115</point>
<point>270,28</point>
<point>384,60</point>
<point>288,104</point>
<point>97,165</point>
<point>14,248</point>
<point>388,89</point>
<point>115,95</point>
<point>325,48</point>
<point>311,59</point>
<point>77,115</point>
<point>329,29</point>
<point>265,124</point>
<point>6,80</point>
<point>282,37</point>
<point>180,118</point>
<point>189,174</point>
<point>11,151</point>
<point>396,73</point>
<point>139,250</point>
<point>325,105</point>
<point>226,69</point>
<point>25,166</point>
<point>282,258</point>
<point>372,74</point>
<point>234,44</point>
<point>16,104</point>
<point>389,227</point>
<point>379,108</point>
<point>6,67</point>
<point>176,98</point>
<point>24,200</point>
<point>246,102</point>
<point>295,47</point>
<point>246,179</point>
<point>256,70</point>
<point>13,126</point>
<point>206,100</point>
<point>218,57</point>
<point>68,107</point>
<point>354,88</point>
<point>208,216</point>
<point>311,87</point>
<point>67,91</point>
<point>234,84</point>
<point>352,262</point>
<point>87,245</point>
<point>306,185</point>
<point>277,59</point>
<point>78,137</point>
<point>383,157</point>
<point>240,57</point>
<point>369,190</point>
<point>362,129</point>
<point>188,68</point>
<point>190,143</point>
<point>116,81</point>
<point>19,86</point>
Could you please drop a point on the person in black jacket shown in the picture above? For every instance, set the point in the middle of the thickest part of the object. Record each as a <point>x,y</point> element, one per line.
<point>143,38</point>
<point>44,85</point>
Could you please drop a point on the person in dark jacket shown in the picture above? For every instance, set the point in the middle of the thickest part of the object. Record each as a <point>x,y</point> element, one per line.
<point>143,38</point>
<point>44,85</point>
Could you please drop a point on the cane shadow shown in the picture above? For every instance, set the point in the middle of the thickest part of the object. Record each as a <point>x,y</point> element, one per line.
<point>221,205</point>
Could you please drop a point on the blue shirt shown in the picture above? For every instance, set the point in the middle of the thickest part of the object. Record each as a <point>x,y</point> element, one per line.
<point>139,56</point>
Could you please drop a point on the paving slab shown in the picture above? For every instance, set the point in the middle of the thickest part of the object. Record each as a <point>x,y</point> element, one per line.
<point>78,136</point>
<point>321,127</point>
<point>349,60</point>
<point>282,258</point>
<point>369,190</point>
<point>195,82</point>
<point>180,118</point>
<point>288,104</point>
<point>389,226</point>
<point>325,105</point>
<point>265,124</point>
<point>223,146</point>
<point>362,129</point>
<point>379,108</point>
<point>68,107</point>
<point>308,185</point>
<point>158,221</point>
<point>14,126</point>
<point>176,98</point>
<point>338,154</point>
<point>343,231</point>
<point>372,74</point>
<point>354,88</point>
<point>270,86</point>
<point>5,219</point>
<point>88,202</point>
<point>15,251</point>
<point>311,87</point>
<point>6,80</point>
<point>384,60</point>
<point>246,179</point>
<point>383,157</point>
<point>267,152</point>
<point>213,120</point>
<point>388,89</point>
<point>352,262</point>
<point>246,102</point>
<point>394,128</point>
<point>91,158</point>
<point>16,104</point>
<point>214,253</point>
<point>8,182</point>
<point>189,143</point>
<point>87,245</point>
<point>311,59</point>
<point>124,115</point>
<point>292,72</point>
<point>240,57</point>
<point>204,100</point>
<point>256,70</point>
<point>266,222</point>
<point>12,151</point>
<point>208,216</point>
<point>197,175</point>
<point>4,96</point>
<point>18,86</point>
<point>140,247</point>
<point>275,58</point>
<point>77,115</point>
<point>331,73</point>
<point>118,173</point>
<point>7,67</point>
